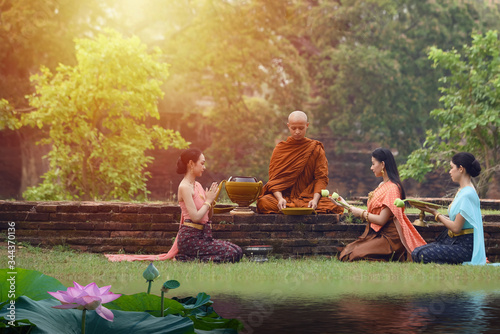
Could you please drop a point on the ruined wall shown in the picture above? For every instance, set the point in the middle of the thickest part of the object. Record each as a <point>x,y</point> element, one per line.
<point>111,227</point>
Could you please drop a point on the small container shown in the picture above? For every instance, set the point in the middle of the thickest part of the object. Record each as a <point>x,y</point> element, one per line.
<point>258,253</point>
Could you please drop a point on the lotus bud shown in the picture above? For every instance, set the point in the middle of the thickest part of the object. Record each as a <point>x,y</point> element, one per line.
<point>171,284</point>
<point>325,193</point>
<point>151,273</point>
<point>399,203</point>
<point>335,196</point>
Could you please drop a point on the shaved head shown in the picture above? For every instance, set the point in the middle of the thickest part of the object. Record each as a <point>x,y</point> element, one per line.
<point>297,124</point>
<point>297,115</point>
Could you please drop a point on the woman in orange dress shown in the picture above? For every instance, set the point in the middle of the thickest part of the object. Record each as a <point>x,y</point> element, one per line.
<point>389,235</point>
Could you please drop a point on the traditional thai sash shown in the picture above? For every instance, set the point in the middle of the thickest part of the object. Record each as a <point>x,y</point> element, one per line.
<point>463,232</point>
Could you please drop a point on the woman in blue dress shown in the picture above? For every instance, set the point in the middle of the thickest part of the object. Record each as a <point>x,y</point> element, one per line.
<point>463,239</point>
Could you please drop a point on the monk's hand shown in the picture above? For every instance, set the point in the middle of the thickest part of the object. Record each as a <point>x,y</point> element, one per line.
<point>281,203</point>
<point>313,204</point>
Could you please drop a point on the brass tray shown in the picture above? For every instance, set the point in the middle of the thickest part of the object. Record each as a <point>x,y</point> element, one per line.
<point>223,209</point>
<point>298,211</point>
<point>420,204</point>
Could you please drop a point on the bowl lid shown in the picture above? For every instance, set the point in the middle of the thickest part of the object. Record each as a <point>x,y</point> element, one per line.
<point>242,179</point>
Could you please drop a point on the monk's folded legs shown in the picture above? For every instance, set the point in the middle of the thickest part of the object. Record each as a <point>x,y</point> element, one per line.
<point>267,204</point>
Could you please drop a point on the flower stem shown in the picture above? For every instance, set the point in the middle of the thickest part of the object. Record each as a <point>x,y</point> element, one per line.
<point>149,287</point>
<point>162,307</point>
<point>83,321</point>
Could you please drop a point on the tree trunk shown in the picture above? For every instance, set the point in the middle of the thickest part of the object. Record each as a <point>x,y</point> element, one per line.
<point>33,166</point>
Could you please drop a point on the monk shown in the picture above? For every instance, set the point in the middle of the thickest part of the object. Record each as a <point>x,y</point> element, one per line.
<point>297,173</point>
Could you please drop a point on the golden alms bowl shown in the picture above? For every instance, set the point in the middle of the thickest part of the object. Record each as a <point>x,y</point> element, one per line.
<point>242,190</point>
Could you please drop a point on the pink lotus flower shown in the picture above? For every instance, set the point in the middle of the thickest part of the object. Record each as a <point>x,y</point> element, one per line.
<point>88,297</point>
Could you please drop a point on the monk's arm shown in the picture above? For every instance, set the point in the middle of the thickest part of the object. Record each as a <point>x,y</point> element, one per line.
<point>320,173</point>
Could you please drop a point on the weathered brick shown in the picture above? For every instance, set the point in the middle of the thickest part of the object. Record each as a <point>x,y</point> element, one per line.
<point>65,235</point>
<point>327,219</point>
<point>249,227</point>
<point>13,216</point>
<point>100,234</point>
<point>258,235</point>
<point>141,226</point>
<point>91,241</point>
<point>27,225</point>
<point>104,249</point>
<point>174,210</point>
<point>129,208</point>
<point>126,234</point>
<point>46,208</point>
<point>163,218</point>
<point>323,227</point>
<point>113,226</point>
<point>125,217</point>
<point>165,227</point>
<point>225,227</point>
<point>26,233</point>
<point>144,218</point>
<point>22,206</point>
<point>75,217</point>
<point>80,248</point>
<point>301,250</point>
<point>67,208</point>
<point>150,209</point>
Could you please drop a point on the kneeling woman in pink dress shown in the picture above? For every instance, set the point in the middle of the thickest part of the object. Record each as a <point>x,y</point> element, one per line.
<point>194,240</point>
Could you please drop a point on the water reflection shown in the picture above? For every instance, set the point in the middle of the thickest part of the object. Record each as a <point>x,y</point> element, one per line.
<point>462,312</point>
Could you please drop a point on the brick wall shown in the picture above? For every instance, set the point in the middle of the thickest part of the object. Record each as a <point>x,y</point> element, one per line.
<point>112,227</point>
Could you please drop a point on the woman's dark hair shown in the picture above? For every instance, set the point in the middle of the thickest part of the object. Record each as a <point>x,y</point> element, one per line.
<point>191,154</point>
<point>383,154</point>
<point>467,161</point>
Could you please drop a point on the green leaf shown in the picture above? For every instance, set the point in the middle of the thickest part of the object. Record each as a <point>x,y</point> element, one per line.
<point>50,320</point>
<point>30,283</point>
<point>145,302</point>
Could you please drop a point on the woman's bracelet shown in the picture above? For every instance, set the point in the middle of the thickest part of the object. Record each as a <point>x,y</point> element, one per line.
<point>367,216</point>
<point>209,205</point>
<point>363,215</point>
<point>436,216</point>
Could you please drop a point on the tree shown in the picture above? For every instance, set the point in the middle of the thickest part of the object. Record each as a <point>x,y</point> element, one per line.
<point>34,33</point>
<point>95,115</point>
<point>235,74</point>
<point>374,80</point>
<point>470,117</point>
<point>9,117</point>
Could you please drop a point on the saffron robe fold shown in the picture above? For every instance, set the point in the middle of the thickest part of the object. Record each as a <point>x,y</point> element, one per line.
<point>371,245</point>
<point>298,169</point>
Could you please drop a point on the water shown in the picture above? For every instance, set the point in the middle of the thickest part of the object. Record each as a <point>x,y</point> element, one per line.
<point>462,312</point>
<point>296,305</point>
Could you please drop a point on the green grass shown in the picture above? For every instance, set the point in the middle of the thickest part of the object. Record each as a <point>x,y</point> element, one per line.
<point>311,276</point>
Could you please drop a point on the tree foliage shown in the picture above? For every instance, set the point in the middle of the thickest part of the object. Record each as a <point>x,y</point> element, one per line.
<point>374,80</point>
<point>470,117</point>
<point>235,57</point>
<point>95,114</point>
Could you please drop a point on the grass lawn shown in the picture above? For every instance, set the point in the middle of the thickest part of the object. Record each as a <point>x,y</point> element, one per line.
<point>311,276</point>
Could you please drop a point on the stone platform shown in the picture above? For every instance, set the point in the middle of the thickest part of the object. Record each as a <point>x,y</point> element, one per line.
<point>111,227</point>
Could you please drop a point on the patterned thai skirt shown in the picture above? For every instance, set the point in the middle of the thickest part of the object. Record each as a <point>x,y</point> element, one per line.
<point>198,244</point>
<point>446,249</point>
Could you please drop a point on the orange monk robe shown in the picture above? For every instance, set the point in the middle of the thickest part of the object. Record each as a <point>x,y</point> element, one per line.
<point>298,169</point>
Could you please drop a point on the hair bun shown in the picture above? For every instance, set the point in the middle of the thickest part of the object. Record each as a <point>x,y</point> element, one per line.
<point>475,168</point>
<point>181,166</point>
